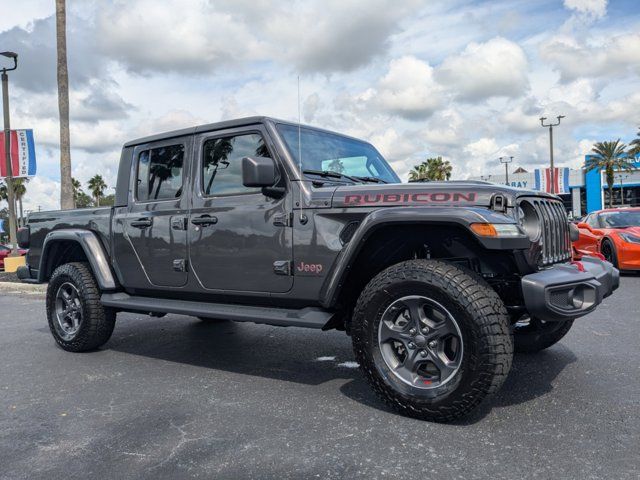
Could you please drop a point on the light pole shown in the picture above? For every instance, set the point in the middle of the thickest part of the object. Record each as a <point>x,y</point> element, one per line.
<point>506,167</point>
<point>551,125</point>
<point>13,234</point>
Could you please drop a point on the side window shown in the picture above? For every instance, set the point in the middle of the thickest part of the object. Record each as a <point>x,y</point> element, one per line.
<point>593,221</point>
<point>160,173</point>
<point>222,163</point>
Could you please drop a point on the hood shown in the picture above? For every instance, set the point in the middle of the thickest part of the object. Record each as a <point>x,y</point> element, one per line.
<point>427,193</point>
<point>632,230</point>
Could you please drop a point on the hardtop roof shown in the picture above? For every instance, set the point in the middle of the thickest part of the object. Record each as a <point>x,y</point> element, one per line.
<point>239,122</point>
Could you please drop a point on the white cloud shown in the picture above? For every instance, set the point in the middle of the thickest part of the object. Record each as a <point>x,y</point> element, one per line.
<point>407,90</point>
<point>146,37</point>
<point>607,57</point>
<point>479,153</point>
<point>482,70</point>
<point>42,193</point>
<point>593,8</point>
<point>315,36</point>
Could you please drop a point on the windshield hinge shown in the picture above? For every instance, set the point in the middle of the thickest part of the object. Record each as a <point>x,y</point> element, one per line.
<point>283,219</point>
<point>498,203</point>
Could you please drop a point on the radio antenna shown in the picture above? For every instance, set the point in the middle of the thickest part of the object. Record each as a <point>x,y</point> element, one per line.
<point>303,217</point>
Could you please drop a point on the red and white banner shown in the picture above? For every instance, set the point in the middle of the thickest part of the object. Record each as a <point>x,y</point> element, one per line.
<point>23,154</point>
<point>560,180</point>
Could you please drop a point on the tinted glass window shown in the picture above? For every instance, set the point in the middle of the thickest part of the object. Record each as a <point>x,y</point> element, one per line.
<point>630,218</point>
<point>324,151</point>
<point>592,220</point>
<point>160,173</point>
<point>222,163</point>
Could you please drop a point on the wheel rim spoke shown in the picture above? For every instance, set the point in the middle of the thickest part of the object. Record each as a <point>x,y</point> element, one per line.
<point>68,311</point>
<point>387,332</point>
<point>446,368</point>
<point>420,342</point>
<point>442,330</point>
<point>415,305</point>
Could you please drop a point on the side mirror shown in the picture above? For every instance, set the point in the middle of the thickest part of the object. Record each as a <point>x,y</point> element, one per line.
<point>258,172</point>
<point>586,226</point>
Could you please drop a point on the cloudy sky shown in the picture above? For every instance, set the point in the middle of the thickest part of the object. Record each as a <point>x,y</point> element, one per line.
<point>467,80</point>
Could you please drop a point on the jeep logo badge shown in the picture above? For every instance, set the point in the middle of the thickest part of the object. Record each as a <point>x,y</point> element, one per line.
<point>310,268</point>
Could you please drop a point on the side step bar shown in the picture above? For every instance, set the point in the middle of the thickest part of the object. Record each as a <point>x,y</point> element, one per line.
<point>286,317</point>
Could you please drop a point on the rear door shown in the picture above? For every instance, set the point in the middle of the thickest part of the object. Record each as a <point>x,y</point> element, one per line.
<point>239,238</point>
<point>155,221</point>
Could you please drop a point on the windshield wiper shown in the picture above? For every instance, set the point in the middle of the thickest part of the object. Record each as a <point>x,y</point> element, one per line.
<point>371,179</point>
<point>332,174</point>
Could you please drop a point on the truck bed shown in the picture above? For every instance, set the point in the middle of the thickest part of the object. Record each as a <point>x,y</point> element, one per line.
<point>97,220</point>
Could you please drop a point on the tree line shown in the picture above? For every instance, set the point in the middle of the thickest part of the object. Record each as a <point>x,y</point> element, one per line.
<point>95,197</point>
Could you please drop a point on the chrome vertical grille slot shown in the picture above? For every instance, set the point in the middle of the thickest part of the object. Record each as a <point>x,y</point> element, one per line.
<point>554,237</point>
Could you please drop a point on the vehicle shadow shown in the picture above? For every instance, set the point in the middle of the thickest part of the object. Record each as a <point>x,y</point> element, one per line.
<point>291,354</point>
<point>307,357</point>
<point>531,376</point>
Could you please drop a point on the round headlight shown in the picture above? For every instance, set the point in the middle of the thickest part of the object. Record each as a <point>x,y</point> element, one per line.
<point>529,220</point>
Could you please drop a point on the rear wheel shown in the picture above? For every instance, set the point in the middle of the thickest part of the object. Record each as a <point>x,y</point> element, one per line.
<point>609,252</point>
<point>432,339</point>
<point>532,335</point>
<point>77,319</point>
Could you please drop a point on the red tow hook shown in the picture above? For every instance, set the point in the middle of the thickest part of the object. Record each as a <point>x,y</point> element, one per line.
<point>578,264</point>
<point>598,255</point>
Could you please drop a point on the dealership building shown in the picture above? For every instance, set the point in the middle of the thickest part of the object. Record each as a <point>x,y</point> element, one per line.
<point>582,192</point>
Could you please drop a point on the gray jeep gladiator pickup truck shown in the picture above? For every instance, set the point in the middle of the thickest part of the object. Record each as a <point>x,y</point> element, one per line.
<point>261,220</point>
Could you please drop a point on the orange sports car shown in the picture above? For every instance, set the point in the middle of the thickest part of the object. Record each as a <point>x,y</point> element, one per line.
<point>613,233</point>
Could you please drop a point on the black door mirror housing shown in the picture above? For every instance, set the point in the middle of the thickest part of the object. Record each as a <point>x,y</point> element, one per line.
<point>258,172</point>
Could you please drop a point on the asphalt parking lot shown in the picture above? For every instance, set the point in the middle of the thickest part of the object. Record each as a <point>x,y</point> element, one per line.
<point>175,398</point>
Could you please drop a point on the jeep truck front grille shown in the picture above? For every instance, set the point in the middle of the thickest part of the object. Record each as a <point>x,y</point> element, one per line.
<point>555,237</point>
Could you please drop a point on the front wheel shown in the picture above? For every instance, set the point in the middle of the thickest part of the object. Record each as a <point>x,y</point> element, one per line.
<point>530,335</point>
<point>77,319</point>
<point>432,339</point>
<point>609,252</point>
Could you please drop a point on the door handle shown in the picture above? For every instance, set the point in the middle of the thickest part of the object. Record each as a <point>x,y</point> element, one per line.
<point>142,223</point>
<point>204,221</point>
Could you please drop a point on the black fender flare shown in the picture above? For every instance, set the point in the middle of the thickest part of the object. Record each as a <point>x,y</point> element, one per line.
<point>453,216</point>
<point>93,249</point>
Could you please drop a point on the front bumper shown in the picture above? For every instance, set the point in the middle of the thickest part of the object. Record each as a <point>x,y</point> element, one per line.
<point>566,291</point>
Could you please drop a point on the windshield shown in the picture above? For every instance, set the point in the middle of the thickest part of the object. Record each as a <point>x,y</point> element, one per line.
<point>328,152</point>
<point>620,219</point>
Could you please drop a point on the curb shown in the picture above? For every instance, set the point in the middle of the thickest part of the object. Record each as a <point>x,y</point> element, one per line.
<point>28,288</point>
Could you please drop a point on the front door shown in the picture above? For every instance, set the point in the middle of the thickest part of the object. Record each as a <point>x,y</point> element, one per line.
<point>155,223</point>
<point>239,238</point>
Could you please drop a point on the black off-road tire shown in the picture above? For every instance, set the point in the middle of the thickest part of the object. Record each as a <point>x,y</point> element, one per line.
<point>538,336</point>
<point>97,322</point>
<point>483,322</point>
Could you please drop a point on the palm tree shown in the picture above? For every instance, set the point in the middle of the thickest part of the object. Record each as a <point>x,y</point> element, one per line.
<point>634,146</point>
<point>442,168</point>
<point>608,156</point>
<point>19,191</point>
<point>418,173</point>
<point>66,187</point>
<point>77,188</point>
<point>433,169</point>
<point>97,186</point>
